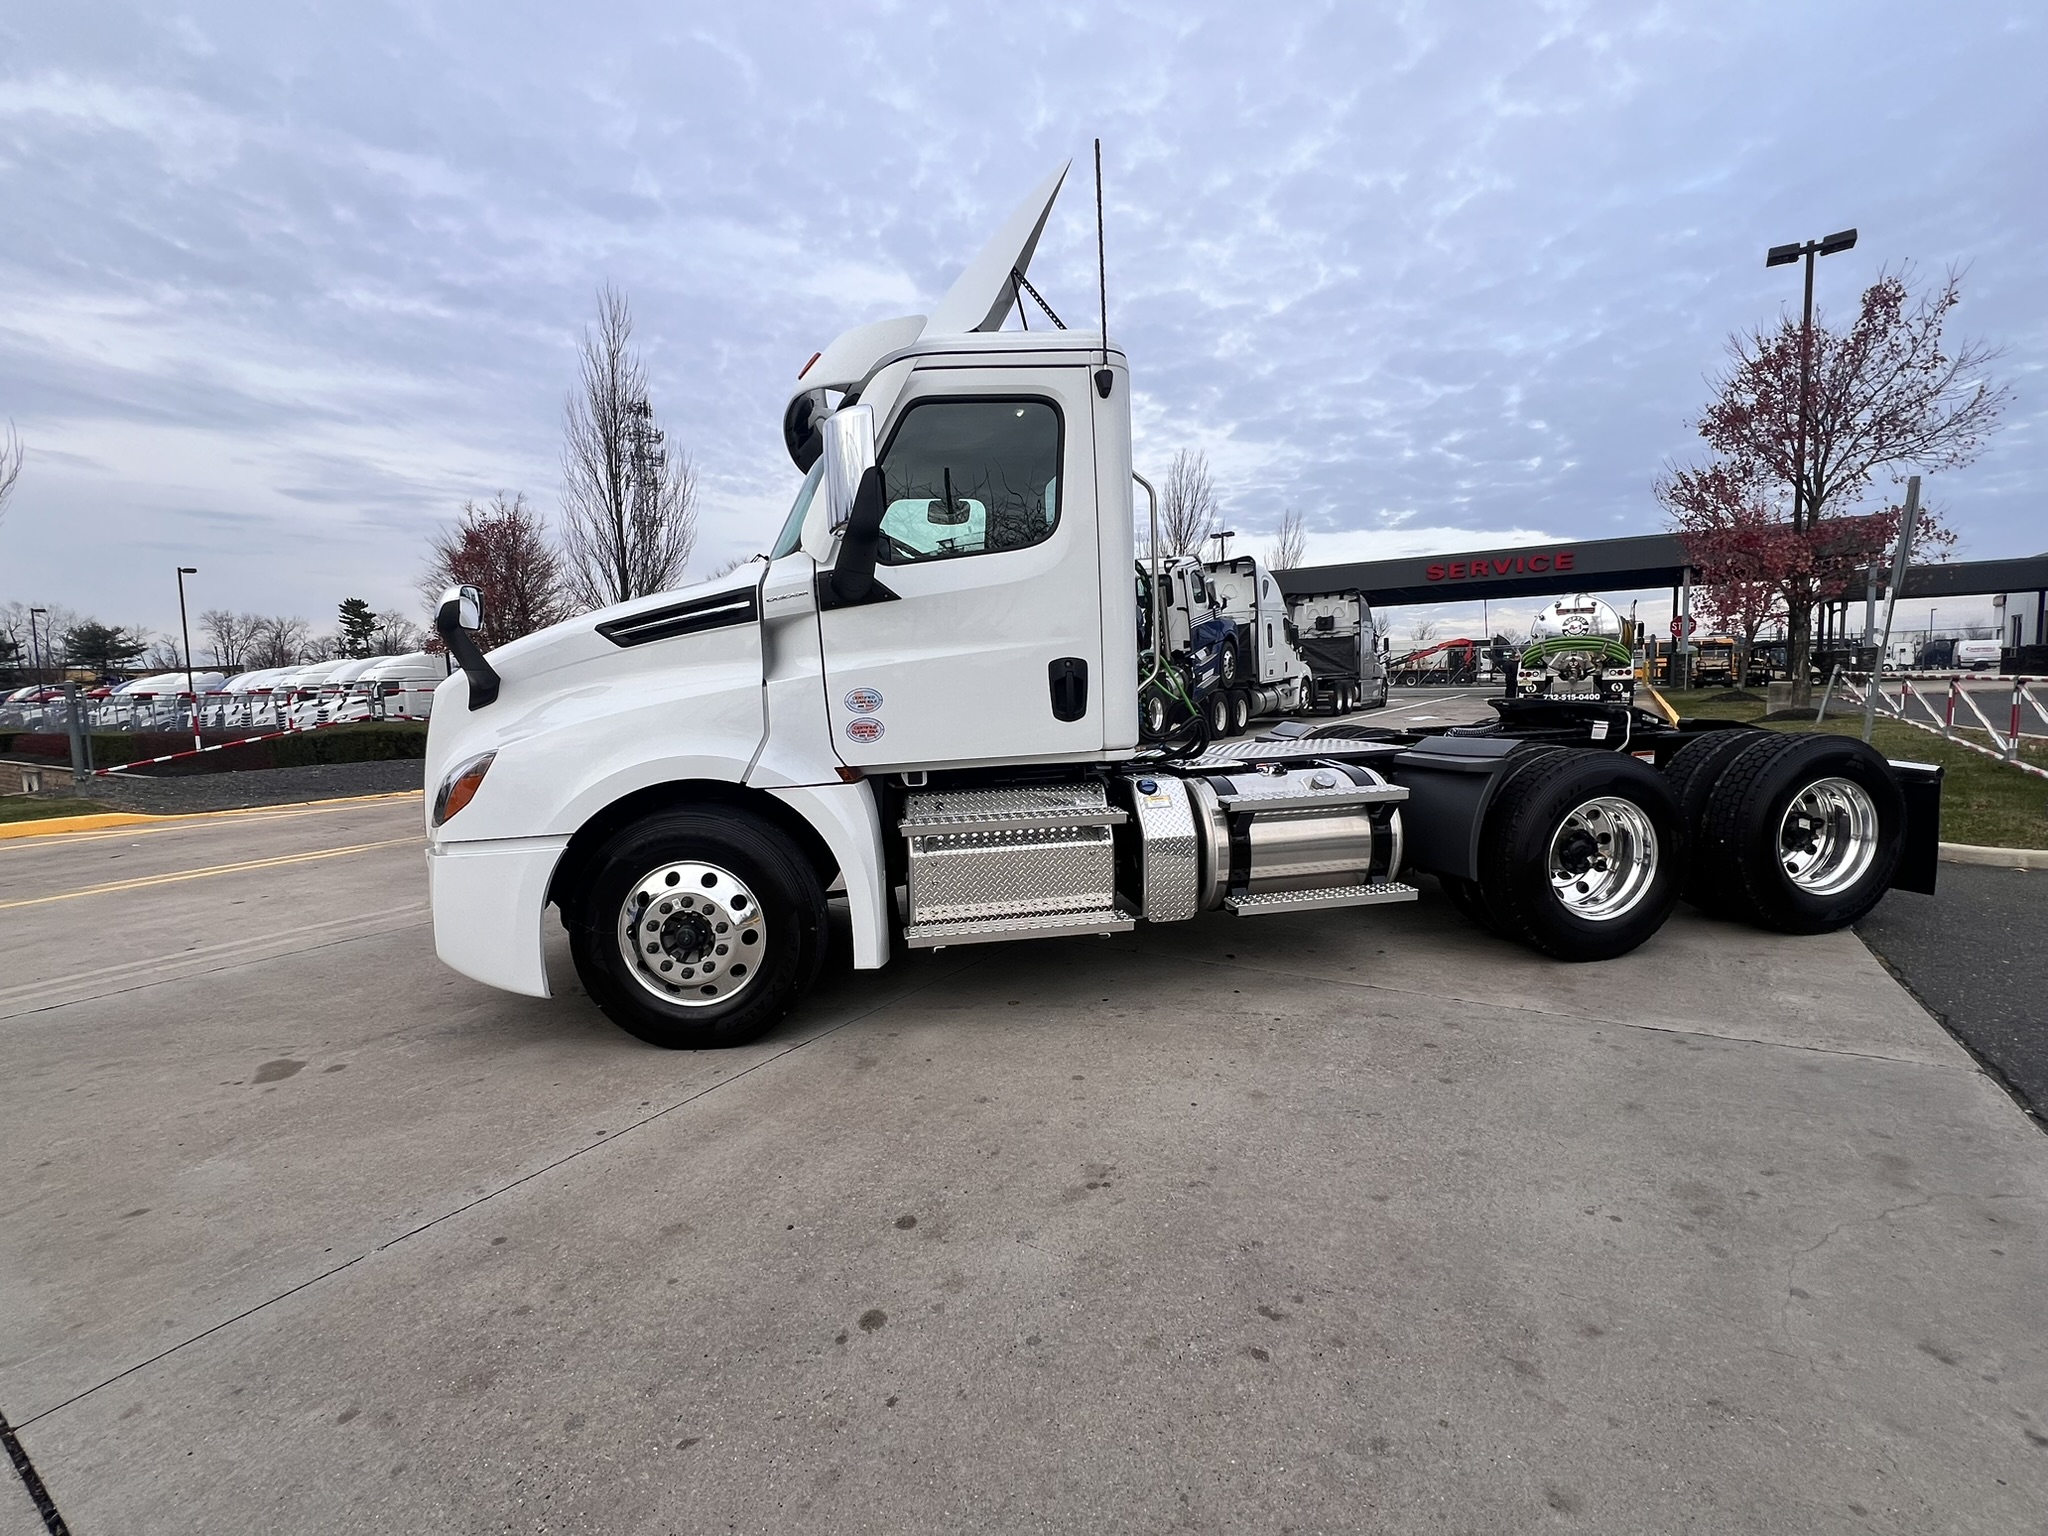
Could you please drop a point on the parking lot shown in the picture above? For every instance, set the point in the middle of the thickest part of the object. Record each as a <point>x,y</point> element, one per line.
<point>1326,1221</point>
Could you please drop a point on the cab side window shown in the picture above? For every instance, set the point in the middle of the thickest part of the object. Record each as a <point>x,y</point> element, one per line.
<point>970,477</point>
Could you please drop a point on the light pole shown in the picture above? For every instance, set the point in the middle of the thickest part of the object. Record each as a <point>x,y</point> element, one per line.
<point>35,651</point>
<point>1781,256</point>
<point>185,629</point>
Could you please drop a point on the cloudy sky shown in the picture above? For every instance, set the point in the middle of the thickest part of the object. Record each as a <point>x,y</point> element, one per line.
<point>281,286</point>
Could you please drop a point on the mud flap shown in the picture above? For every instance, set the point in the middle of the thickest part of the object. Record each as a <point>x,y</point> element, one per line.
<point>1920,858</point>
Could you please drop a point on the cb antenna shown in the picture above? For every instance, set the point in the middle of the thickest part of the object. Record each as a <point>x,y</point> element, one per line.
<point>1104,379</point>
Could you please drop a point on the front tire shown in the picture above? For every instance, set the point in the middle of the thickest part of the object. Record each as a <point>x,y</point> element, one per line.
<point>697,931</point>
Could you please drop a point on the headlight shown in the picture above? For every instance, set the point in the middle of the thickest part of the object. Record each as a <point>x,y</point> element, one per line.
<point>460,787</point>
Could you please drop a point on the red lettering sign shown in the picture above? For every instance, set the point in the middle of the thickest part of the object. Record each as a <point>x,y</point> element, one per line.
<point>1505,565</point>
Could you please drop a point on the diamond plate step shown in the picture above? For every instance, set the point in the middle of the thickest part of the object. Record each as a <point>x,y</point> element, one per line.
<point>996,930</point>
<point>1375,895</point>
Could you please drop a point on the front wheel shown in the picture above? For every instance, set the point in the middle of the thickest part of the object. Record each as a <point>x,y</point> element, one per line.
<point>1152,715</point>
<point>695,931</point>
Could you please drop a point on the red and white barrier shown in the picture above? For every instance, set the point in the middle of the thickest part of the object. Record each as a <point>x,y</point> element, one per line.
<point>243,741</point>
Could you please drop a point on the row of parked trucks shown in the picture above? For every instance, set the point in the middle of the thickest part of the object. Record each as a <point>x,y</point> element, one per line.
<point>278,698</point>
<point>941,698</point>
<point>1238,649</point>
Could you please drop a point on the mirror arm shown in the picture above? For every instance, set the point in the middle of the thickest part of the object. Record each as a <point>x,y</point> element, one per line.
<point>483,678</point>
<point>853,573</point>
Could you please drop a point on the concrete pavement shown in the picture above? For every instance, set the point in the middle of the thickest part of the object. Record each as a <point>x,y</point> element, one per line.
<point>1318,1222</point>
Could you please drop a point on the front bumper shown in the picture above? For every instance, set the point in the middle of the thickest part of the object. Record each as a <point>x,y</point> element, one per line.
<point>489,899</point>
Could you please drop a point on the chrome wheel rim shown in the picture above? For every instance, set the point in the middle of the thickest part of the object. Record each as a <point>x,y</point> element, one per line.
<point>692,934</point>
<point>1827,838</point>
<point>1603,857</point>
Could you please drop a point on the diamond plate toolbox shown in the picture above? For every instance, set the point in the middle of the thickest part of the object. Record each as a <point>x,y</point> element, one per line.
<point>981,854</point>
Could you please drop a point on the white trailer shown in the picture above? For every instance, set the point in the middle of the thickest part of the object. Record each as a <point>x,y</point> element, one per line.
<point>927,692</point>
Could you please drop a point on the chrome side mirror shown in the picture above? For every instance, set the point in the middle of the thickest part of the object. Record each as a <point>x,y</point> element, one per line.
<point>469,607</point>
<point>460,616</point>
<point>849,435</point>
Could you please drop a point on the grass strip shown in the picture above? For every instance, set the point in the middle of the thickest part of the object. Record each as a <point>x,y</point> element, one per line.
<point>1983,802</point>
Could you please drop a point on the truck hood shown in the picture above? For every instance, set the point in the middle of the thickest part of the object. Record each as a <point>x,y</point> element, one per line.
<point>558,671</point>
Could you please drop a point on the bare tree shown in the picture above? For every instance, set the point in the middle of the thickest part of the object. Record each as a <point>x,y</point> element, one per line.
<point>276,641</point>
<point>1423,632</point>
<point>1291,543</point>
<point>10,466</point>
<point>1886,394</point>
<point>1187,504</point>
<point>500,548</point>
<point>395,636</point>
<point>227,635</point>
<point>163,654</point>
<point>630,504</point>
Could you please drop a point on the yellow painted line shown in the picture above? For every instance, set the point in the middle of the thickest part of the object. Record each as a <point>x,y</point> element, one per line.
<point>201,874</point>
<point>51,826</point>
<point>86,829</point>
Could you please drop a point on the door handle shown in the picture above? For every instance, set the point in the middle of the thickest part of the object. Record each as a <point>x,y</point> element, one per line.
<point>1068,679</point>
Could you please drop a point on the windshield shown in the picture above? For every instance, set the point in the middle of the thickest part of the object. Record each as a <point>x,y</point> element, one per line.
<point>793,525</point>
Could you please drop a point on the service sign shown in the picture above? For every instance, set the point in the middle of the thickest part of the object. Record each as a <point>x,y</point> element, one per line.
<point>1503,565</point>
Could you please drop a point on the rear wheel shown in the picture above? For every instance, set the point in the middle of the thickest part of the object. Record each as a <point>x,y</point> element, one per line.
<point>1216,713</point>
<point>1803,833</point>
<point>1240,712</point>
<point>1471,903</point>
<point>1582,855</point>
<point>696,930</point>
<point>1692,772</point>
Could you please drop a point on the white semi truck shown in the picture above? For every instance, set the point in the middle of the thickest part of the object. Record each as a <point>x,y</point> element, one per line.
<point>926,693</point>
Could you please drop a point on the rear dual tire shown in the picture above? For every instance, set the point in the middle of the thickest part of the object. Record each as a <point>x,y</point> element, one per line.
<point>1798,833</point>
<point>1581,855</point>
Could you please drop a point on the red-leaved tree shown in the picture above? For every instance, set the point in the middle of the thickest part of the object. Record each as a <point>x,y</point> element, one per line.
<point>1886,395</point>
<point>500,548</point>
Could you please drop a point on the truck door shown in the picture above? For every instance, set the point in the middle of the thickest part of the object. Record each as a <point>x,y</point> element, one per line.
<point>989,646</point>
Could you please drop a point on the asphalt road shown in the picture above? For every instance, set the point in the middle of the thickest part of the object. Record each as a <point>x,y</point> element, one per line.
<point>1327,1221</point>
<point>1976,953</point>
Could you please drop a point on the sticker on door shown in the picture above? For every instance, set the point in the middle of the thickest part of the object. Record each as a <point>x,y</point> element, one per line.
<point>864,729</point>
<point>863,701</point>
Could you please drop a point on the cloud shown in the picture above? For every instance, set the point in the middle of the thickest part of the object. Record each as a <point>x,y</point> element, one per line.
<point>1421,273</point>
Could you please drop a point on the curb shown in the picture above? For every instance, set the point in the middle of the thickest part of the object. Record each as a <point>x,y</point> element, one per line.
<point>49,825</point>
<point>55,825</point>
<point>2003,858</point>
